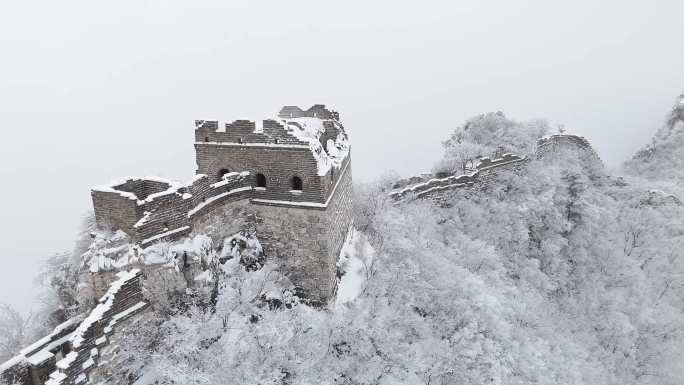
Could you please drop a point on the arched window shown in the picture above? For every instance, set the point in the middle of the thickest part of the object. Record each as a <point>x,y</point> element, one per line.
<point>296,183</point>
<point>260,180</point>
<point>223,172</point>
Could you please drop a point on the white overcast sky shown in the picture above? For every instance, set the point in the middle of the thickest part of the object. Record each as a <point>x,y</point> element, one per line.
<point>91,91</point>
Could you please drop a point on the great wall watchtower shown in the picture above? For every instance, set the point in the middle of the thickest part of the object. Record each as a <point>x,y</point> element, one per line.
<point>288,179</point>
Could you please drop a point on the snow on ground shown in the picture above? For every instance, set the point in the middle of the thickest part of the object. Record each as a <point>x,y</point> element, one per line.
<point>116,252</point>
<point>356,254</point>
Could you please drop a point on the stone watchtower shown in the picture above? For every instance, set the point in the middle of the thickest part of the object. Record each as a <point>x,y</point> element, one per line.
<point>300,168</point>
<point>287,179</point>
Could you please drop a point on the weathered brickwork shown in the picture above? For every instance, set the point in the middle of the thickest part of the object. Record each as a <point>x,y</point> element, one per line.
<point>71,351</point>
<point>288,179</point>
<point>316,111</point>
<point>440,189</point>
<point>304,241</point>
<point>278,165</point>
<point>434,186</point>
<point>116,212</point>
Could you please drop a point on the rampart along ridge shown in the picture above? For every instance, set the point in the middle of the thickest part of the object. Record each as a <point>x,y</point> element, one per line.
<point>294,192</point>
<point>288,179</point>
<point>435,187</point>
<point>69,354</point>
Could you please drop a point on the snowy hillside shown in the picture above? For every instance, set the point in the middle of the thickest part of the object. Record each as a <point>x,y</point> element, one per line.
<point>662,159</point>
<point>553,274</point>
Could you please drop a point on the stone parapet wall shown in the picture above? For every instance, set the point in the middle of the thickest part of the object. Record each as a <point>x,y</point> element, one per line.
<point>115,211</point>
<point>123,300</point>
<point>245,132</point>
<point>34,363</point>
<point>278,165</point>
<point>303,241</point>
<point>437,188</point>
<point>485,169</point>
<point>68,354</point>
<point>165,212</point>
<point>316,111</point>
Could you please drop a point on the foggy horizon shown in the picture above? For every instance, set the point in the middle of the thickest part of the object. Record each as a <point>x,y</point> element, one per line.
<point>91,93</point>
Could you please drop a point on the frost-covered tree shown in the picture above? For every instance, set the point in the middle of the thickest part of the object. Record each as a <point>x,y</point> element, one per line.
<point>488,135</point>
<point>15,331</point>
<point>553,274</point>
<point>530,279</point>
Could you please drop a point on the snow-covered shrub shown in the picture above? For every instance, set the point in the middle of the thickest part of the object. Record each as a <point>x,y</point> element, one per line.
<point>527,281</point>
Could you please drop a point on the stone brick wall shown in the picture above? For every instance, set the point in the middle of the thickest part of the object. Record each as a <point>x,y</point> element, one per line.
<point>303,241</point>
<point>244,132</point>
<point>163,213</point>
<point>278,165</point>
<point>71,351</point>
<point>487,167</point>
<point>439,189</point>
<point>316,111</point>
<point>123,300</point>
<point>116,212</point>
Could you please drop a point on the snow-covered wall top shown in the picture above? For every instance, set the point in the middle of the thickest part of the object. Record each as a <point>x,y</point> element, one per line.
<point>78,339</point>
<point>145,208</point>
<point>429,185</point>
<point>423,187</point>
<point>123,300</point>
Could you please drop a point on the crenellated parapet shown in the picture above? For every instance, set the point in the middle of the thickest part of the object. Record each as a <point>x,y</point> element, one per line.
<point>316,111</point>
<point>427,187</point>
<point>269,132</point>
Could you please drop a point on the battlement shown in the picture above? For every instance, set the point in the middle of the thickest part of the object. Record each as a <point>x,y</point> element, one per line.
<point>293,127</point>
<point>316,111</point>
<point>246,132</point>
